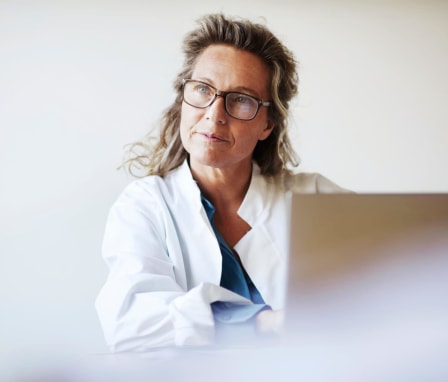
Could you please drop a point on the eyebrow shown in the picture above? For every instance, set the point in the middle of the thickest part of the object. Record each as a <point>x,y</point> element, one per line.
<point>238,89</point>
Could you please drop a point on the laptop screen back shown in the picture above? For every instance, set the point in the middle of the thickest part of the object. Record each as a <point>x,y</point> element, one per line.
<point>369,269</point>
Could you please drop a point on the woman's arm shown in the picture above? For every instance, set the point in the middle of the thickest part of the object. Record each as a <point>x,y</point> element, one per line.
<point>145,302</point>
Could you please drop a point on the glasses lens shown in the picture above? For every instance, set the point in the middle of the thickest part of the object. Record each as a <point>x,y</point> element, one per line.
<point>241,105</point>
<point>198,94</point>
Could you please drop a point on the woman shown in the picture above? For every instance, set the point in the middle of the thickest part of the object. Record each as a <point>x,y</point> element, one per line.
<point>200,242</point>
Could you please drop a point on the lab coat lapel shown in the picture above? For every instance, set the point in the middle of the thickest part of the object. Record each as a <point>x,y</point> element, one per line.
<point>259,254</point>
<point>264,264</point>
<point>204,262</point>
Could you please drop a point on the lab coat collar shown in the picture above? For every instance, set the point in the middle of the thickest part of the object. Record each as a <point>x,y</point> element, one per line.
<point>184,179</point>
<point>256,198</point>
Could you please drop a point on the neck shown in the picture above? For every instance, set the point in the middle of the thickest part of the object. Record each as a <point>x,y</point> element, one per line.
<point>223,186</point>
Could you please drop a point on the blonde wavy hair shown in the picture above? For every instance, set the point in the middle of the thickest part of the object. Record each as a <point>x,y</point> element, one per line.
<point>157,155</point>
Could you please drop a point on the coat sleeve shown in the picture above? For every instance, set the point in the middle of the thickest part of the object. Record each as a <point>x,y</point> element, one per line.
<point>144,303</point>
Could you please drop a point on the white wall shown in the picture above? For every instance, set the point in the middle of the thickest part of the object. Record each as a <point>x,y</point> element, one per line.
<point>80,79</point>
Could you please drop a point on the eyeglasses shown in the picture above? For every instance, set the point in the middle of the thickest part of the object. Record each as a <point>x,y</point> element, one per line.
<point>238,105</point>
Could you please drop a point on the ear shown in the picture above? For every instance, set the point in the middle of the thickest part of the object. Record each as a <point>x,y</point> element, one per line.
<point>266,131</point>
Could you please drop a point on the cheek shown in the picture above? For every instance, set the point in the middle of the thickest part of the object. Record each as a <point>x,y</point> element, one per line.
<point>185,121</point>
<point>258,131</point>
<point>188,119</point>
<point>189,116</point>
<point>184,134</point>
<point>244,141</point>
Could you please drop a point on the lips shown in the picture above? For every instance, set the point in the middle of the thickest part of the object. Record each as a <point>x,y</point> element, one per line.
<point>211,137</point>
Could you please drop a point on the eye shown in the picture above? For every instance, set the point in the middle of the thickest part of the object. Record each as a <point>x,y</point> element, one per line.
<point>239,99</point>
<point>242,99</point>
<point>202,89</point>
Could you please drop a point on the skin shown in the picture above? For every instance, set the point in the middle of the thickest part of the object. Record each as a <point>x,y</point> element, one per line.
<point>221,147</point>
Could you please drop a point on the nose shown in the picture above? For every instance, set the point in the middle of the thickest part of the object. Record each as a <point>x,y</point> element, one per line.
<point>216,112</point>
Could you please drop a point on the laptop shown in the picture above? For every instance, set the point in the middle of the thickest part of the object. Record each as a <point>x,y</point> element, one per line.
<point>368,279</point>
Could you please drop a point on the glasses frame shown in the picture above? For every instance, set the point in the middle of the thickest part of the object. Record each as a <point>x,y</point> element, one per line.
<point>219,93</point>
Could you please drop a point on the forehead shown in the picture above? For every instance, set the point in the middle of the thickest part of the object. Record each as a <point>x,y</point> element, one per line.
<point>228,68</point>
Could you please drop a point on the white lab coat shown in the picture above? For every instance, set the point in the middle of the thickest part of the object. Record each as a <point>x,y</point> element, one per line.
<point>165,261</point>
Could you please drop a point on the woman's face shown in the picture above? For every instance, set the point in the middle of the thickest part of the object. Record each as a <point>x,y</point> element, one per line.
<point>210,135</point>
